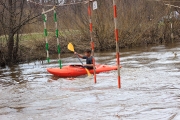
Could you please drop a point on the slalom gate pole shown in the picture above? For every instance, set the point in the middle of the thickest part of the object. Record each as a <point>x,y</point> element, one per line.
<point>91,36</point>
<point>117,46</point>
<point>46,35</point>
<point>57,37</point>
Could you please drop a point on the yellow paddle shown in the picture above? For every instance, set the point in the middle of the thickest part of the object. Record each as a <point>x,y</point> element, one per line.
<point>71,48</point>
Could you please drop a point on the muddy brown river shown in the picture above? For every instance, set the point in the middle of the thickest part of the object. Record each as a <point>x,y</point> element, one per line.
<point>150,89</point>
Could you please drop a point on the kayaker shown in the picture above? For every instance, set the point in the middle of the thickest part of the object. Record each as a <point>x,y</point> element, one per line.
<point>88,57</point>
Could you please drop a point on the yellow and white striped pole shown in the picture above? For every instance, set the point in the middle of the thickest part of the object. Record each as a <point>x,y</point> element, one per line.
<point>117,46</point>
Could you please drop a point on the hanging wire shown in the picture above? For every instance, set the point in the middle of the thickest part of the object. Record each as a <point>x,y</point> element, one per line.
<point>59,5</point>
<point>172,5</point>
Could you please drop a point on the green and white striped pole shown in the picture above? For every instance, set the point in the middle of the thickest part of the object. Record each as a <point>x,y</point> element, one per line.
<point>58,43</point>
<point>46,35</point>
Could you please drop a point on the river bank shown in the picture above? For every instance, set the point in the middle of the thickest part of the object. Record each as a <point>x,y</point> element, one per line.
<point>35,49</point>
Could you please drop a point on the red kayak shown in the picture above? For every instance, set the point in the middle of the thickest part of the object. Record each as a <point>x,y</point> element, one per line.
<point>78,70</point>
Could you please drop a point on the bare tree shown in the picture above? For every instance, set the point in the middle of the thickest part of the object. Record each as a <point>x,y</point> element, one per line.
<point>14,15</point>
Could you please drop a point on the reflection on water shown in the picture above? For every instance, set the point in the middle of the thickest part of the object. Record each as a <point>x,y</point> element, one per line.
<point>150,89</point>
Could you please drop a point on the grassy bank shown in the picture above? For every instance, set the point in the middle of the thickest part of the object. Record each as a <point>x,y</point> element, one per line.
<point>39,36</point>
<point>32,46</point>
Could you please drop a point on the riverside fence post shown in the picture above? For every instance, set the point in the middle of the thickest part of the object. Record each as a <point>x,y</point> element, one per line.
<point>117,46</point>
<point>91,36</point>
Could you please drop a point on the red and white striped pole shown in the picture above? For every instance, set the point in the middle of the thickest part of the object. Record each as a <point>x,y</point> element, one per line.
<point>91,35</point>
<point>117,46</point>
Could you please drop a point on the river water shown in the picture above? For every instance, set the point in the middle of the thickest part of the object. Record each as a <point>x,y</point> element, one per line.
<point>150,89</point>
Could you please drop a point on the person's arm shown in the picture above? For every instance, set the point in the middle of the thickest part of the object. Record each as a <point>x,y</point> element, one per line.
<point>88,65</point>
<point>79,55</point>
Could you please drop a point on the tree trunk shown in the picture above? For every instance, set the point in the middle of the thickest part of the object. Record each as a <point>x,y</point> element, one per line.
<point>10,42</point>
<point>16,48</point>
<point>10,47</point>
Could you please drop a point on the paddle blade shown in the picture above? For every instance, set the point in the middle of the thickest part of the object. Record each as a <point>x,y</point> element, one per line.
<point>89,74</point>
<point>70,47</point>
